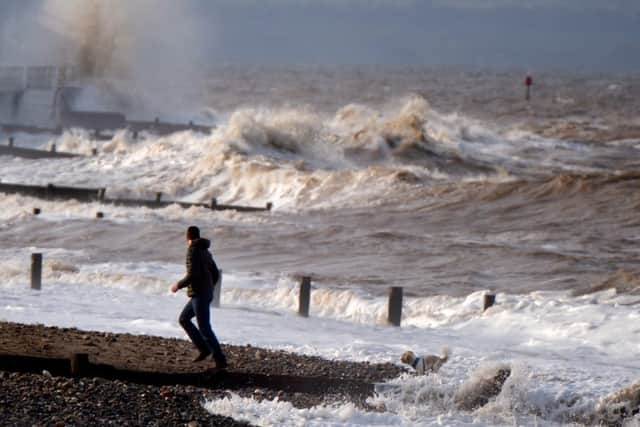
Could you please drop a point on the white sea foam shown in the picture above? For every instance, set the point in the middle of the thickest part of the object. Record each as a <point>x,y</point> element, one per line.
<point>269,413</point>
<point>541,316</point>
<point>556,345</point>
<point>300,158</point>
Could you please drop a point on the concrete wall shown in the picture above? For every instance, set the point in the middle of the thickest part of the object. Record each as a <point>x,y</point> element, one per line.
<point>33,107</point>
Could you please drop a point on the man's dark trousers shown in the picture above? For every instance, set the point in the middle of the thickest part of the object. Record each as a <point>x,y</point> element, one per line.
<point>202,336</point>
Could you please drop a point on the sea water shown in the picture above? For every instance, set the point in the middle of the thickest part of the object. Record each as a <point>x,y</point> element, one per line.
<point>444,182</point>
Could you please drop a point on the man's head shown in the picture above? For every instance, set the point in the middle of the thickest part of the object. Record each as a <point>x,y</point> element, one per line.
<point>193,233</point>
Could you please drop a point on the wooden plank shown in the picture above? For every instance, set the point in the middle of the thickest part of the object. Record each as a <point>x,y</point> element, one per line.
<point>209,379</point>
<point>29,153</point>
<point>52,192</point>
<point>97,194</point>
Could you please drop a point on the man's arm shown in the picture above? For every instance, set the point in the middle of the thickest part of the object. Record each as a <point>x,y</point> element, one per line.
<point>186,280</point>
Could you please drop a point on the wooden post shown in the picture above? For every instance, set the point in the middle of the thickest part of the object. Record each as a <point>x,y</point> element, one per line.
<point>36,271</point>
<point>217,290</point>
<point>305,297</point>
<point>101,193</point>
<point>56,78</point>
<point>269,206</point>
<point>94,151</point>
<point>79,364</point>
<point>158,197</point>
<point>99,215</point>
<point>489,300</point>
<point>528,81</point>
<point>10,141</point>
<point>36,211</point>
<point>395,306</point>
<point>214,203</point>
<point>53,148</point>
<point>135,134</point>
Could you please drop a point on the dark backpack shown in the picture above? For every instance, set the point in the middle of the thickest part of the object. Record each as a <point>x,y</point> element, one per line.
<point>215,273</point>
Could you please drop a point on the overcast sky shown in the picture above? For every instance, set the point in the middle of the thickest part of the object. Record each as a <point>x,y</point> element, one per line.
<point>575,34</point>
<point>581,35</point>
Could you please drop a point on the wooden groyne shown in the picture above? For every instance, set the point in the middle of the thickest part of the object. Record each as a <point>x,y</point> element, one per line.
<point>394,303</point>
<point>155,128</point>
<point>56,192</point>
<point>158,127</point>
<point>29,153</point>
<point>91,122</point>
<point>79,365</point>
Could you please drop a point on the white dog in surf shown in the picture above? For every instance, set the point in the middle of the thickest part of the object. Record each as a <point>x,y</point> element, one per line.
<point>424,365</point>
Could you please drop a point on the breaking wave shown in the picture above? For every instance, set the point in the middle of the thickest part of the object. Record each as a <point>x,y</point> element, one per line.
<point>298,158</point>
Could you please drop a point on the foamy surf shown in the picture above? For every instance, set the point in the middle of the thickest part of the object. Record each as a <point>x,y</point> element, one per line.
<point>538,316</point>
<point>530,334</point>
<point>302,159</point>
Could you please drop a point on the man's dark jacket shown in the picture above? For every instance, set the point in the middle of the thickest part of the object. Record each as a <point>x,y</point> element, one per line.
<point>202,271</point>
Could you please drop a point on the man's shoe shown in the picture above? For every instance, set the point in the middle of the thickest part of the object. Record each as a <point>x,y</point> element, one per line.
<point>203,355</point>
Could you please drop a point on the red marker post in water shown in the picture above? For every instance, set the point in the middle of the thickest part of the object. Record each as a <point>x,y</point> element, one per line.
<point>528,82</point>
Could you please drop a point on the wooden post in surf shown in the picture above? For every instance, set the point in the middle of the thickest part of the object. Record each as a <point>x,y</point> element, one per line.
<point>489,300</point>
<point>36,271</point>
<point>79,364</point>
<point>269,206</point>
<point>528,81</point>
<point>217,289</point>
<point>394,316</point>
<point>10,141</point>
<point>305,297</point>
<point>214,204</point>
<point>158,197</point>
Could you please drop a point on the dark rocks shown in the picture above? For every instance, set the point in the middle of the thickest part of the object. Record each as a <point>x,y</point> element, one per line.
<point>618,406</point>
<point>31,399</point>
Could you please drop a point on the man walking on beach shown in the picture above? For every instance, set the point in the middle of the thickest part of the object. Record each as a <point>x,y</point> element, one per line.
<point>202,275</point>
